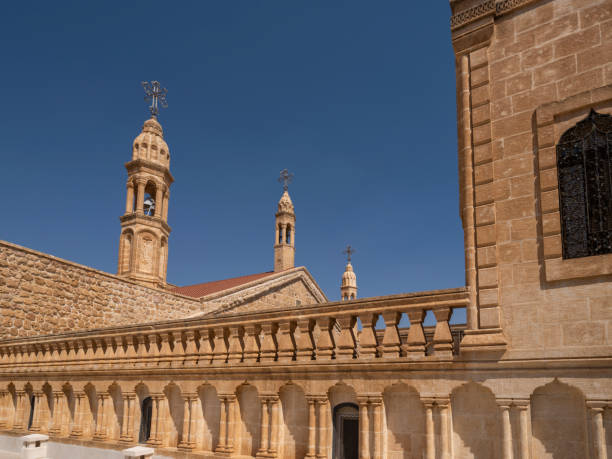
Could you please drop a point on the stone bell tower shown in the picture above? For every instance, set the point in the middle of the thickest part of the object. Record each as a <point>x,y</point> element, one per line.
<point>348,288</point>
<point>284,242</point>
<point>143,246</point>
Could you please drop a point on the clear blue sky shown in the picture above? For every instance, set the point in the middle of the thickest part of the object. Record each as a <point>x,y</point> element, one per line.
<point>356,98</point>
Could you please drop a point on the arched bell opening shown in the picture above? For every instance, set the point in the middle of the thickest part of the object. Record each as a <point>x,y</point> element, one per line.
<point>146,414</point>
<point>150,206</point>
<point>346,431</point>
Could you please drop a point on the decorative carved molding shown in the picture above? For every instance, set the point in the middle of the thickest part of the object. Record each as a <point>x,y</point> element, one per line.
<point>486,8</point>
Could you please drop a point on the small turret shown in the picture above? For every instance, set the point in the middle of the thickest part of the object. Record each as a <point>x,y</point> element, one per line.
<point>348,289</point>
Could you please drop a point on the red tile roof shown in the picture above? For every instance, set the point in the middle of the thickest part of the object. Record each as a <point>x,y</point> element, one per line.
<point>199,290</point>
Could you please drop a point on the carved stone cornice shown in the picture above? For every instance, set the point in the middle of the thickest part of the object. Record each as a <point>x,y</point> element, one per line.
<point>485,8</point>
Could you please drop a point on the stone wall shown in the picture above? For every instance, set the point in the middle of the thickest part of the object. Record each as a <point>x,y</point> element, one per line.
<point>524,77</point>
<point>41,295</point>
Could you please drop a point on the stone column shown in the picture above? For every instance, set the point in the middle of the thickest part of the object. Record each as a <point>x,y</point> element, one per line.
<point>376,406</point>
<point>273,449</point>
<point>523,407</point>
<point>283,233</point>
<point>445,433</point>
<point>231,423</point>
<point>596,410</point>
<point>3,409</point>
<point>140,196</point>
<point>101,430</point>
<point>58,408</point>
<point>364,429</point>
<point>312,428</point>
<point>18,414</point>
<point>129,202</point>
<point>165,207</point>
<point>77,422</point>
<point>430,436</point>
<point>322,419</point>
<point>263,429</point>
<point>127,421</point>
<point>158,202</point>
<point>221,447</point>
<point>504,406</point>
<point>187,441</point>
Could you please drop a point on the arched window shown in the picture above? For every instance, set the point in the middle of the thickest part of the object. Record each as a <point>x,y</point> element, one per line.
<point>146,413</point>
<point>280,233</point>
<point>584,165</point>
<point>288,238</point>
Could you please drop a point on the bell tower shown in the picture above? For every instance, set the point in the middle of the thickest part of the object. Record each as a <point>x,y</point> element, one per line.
<point>143,244</point>
<point>348,288</point>
<point>284,243</point>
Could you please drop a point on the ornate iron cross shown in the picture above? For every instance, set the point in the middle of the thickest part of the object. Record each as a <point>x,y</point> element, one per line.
<point>156,95</point>
<point>285,178</point>
<point>349,251</point>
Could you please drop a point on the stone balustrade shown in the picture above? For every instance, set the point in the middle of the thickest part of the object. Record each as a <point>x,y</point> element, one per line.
<point>306,334</point>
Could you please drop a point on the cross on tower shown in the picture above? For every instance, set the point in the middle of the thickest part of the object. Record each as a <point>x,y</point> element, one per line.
<point>156,95</point>
<point>349,251</point>
<point>285,178</point>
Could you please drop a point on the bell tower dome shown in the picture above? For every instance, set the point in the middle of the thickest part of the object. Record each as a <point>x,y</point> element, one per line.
<point>143,244</point>
<point>284,242</point>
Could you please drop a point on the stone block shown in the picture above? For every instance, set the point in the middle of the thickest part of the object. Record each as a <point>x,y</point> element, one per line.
<point>555,71</point>
<point>488,297</point>
<point>489,317</point>
<point>506,67</point>
<point>485,214</point>
<point>519,83</point>
<point>524,228</point>
<point>596,14</point>
<point>549,200</point>
<point>509,252</point>
<point>552,246</point>
<point>551,223</point>
<point>584,334</point>
<point>601,308</point>
<point>571,44</point>
<point>548,179</point>
<point>485,235</point>
<point>482,153</point>
<point>537,56</point>
<point>483,173</point>
<point>512,125</point>
<point>512,209</point>
<point>487,277</point>
<point>530,100</point>
<point>534,17</point>
<point>576,84</point>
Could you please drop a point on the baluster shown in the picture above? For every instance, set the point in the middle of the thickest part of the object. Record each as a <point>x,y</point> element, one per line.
<point>367,339</point>
<point>191,349</point>
<point>165,352</point>
<point>99,353</point>
<point>324,340</point>
<point>206,350</point>
<point>234,346</point>
<point>303,340</point>
<point>391,340</point>
<point>80,349</point>
<point>443,339</point>
<point>251,348</point>
<point>153,354</point>
<point>178,350</point>
<point>130,352</point>
<point>220,349</point>
<point>286,349</point>
<point>345,343</point>
<point>141,352</point>
<point>416,337</point>
<point>89,352</point>
<point>268,346</point>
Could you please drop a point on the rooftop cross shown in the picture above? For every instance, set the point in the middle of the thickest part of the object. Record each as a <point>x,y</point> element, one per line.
<point>285,178</point>
<point>349,251</point>
<point>156,95</point>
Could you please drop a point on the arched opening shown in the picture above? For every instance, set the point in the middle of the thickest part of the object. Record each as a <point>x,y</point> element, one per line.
<point>149,200</point>
<point>32,406</point>
<point>584,153</point>
<point>280,234</point>
<point>146,413</point>
<point>346,431</point>
<point>288,235</point>
<point>293,441</point>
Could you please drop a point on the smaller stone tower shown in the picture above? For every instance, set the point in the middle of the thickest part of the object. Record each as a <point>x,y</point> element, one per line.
<point>284,241</point>
<point>348,289</point>
<point>143,246</point>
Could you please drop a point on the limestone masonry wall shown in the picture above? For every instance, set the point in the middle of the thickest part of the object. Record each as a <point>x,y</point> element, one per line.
<point>553,59</point>
<point>41,294</point>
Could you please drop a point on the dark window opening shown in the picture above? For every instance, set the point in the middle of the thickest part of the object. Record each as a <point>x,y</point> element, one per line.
<point>146,413</point>
<point>288,239</point>
<point>346,431</point>
<point>32,404</point>
<point>584,166</point>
